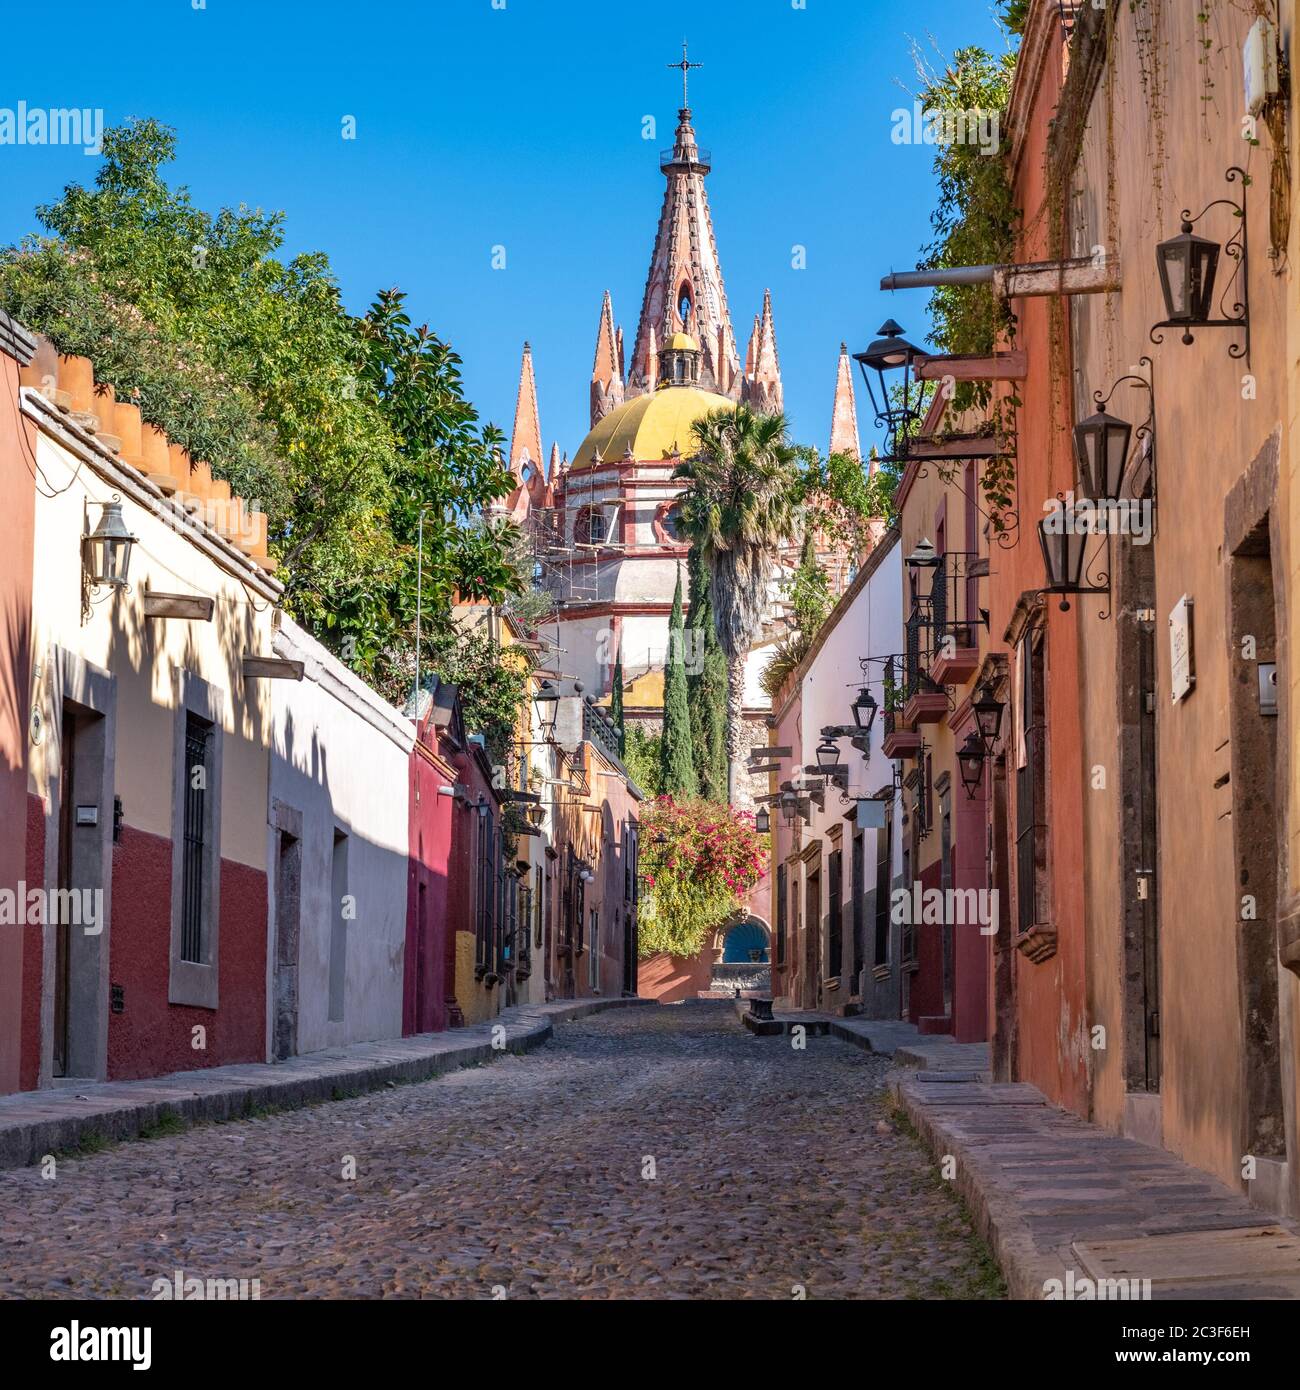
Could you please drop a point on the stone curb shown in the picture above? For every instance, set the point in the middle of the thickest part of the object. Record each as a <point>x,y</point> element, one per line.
<point>36,1123</point>
<point>994,1214</point>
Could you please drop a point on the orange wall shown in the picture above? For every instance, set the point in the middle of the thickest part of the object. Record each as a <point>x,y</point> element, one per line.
<point>17,500</point>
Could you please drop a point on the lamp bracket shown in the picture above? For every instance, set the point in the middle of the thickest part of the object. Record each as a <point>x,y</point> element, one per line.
<point>1236,248</point>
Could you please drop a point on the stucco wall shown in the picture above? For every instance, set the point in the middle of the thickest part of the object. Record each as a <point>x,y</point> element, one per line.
<point>137,664</point>
<point>341,757</point>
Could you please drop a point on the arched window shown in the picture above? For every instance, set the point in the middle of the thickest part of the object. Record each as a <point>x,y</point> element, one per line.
<point>684,305</point>
<point>673,521</point>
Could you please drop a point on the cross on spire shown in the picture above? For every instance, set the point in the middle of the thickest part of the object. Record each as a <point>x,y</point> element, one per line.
<point>685,66</point>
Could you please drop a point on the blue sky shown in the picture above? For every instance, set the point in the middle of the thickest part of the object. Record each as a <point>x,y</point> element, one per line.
<point>519,123</point>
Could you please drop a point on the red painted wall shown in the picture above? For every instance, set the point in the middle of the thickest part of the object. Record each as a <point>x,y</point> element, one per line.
<point>17,489</point>
<point>925,995</point>
<point>970,948</point>
<point>152,1036</point>
<point>431,842</point>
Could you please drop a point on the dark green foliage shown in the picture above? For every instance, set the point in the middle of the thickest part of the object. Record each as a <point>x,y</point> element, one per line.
<point>616,705</point>
<point>676,762</point>
<point>706,685</point>
<point>641,758</point>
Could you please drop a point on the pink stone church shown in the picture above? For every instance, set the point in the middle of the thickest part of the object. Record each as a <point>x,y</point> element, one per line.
<point>605,522</point>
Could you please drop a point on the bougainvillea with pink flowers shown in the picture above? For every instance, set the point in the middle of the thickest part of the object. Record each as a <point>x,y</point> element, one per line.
<point>698,860</point>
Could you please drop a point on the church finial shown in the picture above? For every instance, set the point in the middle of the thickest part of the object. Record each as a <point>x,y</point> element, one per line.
<point>686,67</point>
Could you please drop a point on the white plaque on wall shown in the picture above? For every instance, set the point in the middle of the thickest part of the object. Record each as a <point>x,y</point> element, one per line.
<point>1182,663</point>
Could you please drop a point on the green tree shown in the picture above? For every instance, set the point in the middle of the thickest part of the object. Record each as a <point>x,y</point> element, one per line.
<point>676,764</point>
<point>641,758</point>
<point>342,429</point>
<point>737,507</point>
<point>706,685</point>
<point>616,705</point>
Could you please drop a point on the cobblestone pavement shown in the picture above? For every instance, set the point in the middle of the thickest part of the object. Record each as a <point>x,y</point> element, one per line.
<point>775,1171</point>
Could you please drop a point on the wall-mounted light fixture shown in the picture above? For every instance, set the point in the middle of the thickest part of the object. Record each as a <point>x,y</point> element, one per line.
<point>970,763</point>
<point>106,551</point>
<point>1188,265</point>
<point>890,353</point>
<point>1101,442</point>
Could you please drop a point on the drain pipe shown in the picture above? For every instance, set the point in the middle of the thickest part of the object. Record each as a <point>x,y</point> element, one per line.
<point>932,279</point>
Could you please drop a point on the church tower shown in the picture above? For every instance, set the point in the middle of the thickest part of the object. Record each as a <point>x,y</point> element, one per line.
<point>684,291</point>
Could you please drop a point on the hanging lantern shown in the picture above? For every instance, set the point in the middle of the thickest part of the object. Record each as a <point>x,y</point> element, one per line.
<point>547,704</point>
<point>864,710</point>
<point>107,548</point>
<point>1187,264</point>
<point>1063,535</point>
<point>923,557</point>
<point>1101,444</point>
<point>762,821</point>
<point>970,761</point>
<point>828,756</point>
<point>988,717</point>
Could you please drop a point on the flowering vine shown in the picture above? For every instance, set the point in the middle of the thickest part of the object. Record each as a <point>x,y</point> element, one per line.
<point>698,861</point>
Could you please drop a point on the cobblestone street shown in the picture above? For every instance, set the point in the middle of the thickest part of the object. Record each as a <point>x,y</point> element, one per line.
<point>774,1169</point>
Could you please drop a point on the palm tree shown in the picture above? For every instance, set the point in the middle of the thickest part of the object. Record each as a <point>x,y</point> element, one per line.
<point>738,509</point>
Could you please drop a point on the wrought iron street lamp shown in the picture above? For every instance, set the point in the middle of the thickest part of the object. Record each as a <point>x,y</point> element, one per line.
<point>107,549</point>
<point>1101,447</point>
<point>970,762</point>
<point>864,710</point>
<point>828,756</point>
<point>1063,536</point>
<point>547,704</point>
<point>890,353</point>
<point>988,717</point>
<point>762,821</point>
<point>1188,265</point>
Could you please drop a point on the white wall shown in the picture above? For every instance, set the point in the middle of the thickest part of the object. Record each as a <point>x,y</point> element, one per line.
<point>341,757</point>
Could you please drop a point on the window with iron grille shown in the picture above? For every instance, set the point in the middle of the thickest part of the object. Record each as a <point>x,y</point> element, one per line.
<point>1031,785</point>
<point>858,889</point>
<point>781,916</point>
<point>908,946</point>
<point>835,891</point>
<point>524,927</point>
<point>195,869</point>
<point>884,861</point>
<point>539,905</point>
<point>484,896</point>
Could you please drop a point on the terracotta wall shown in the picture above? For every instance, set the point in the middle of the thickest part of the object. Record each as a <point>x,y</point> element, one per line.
<point>17,495</point>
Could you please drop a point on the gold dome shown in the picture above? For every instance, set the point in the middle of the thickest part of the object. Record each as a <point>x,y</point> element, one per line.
<point>652,425</point>
<point>682,342</point>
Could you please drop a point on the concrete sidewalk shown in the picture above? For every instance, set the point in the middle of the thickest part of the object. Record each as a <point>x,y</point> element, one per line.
<point>35,1123</point>
<point>1059,1199</point>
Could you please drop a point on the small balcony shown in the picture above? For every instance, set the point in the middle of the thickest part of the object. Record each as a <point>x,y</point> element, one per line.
<point>952,618</point>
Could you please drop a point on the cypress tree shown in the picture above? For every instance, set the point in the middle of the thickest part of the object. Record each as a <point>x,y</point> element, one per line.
<point>706,687</point>
<point>677,766</point>
<point>616,706</point>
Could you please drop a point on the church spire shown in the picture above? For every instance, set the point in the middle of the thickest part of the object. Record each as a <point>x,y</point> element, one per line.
<point>844,413</point>
<point>526,436</point>
<point>607,371</point>
<point>684,292</point>
<point>763,376</point>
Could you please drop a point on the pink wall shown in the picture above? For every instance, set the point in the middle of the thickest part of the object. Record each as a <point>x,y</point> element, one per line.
<point>425,992</point>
